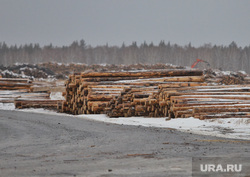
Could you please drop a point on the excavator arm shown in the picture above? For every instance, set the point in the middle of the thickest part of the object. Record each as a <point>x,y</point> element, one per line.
<point>197,61</point>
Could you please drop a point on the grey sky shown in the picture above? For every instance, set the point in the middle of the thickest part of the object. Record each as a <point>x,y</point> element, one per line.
<point>98,22</point>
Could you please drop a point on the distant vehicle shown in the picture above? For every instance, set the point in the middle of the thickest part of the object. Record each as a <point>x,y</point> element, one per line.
<point>199,60</point>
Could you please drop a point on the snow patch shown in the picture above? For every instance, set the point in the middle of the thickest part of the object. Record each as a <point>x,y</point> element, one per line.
<point>237,128</point>
<point>56,96</point>
<point>22,75</point>
<point>243,72</point>
<point>7,106</point>
<point>227,73</point>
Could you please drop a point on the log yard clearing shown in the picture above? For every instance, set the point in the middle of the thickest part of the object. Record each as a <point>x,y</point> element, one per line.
<point>185,99</point>
<point>122,122</point>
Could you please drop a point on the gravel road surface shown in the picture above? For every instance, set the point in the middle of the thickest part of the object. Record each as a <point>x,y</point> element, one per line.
<point>34,144</point>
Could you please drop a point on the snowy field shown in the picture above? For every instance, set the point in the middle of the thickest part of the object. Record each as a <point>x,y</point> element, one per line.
<point>237,128</point>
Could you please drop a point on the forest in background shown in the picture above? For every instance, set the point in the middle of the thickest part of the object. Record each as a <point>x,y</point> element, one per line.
<point>231,57</point>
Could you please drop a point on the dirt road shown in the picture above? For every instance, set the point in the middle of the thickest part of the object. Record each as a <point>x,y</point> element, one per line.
<point>33,144</point>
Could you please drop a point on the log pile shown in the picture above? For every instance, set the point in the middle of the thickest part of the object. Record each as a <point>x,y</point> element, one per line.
<point>135,101</point>
<point>36,103</point>
<point>165,93</point>
<point>22,93</point>
<point>15,84</point>
<point>178,93</point>
<point>12,95</point>
<point>123,93</point>
<point>205,102</point>
<point>65,69</point>
<point>24,99</point>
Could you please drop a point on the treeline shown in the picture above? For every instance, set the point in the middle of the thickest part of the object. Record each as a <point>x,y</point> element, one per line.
<point>229,57</point>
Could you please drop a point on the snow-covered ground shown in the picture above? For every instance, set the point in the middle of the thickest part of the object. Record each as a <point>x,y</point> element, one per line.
<point>56,96</point>
<point>238,128</point>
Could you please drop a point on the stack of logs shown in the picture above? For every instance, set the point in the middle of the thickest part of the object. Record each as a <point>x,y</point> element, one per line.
<point>20,92</point>
<point>15,84</point>
<point>164,93</point>
<point>11,95</point>
<point>206,102</point>
<point>119,94</point>
<point>37,103</point>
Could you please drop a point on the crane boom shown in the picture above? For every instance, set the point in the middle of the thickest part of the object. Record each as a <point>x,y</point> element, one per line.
<point>197,61</point>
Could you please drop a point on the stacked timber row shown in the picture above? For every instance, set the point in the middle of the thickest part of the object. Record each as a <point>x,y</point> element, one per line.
<point>166,89</point>
<point>37,103</point>
<point>15,84</point>
<point>135,101</point>
<point>205,102</point>
<point>11,96</point>
<point>35,100</point>
<point>19,91</point>
<point>123,93</point>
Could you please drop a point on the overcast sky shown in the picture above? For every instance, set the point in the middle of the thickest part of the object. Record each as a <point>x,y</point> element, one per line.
<point>98,22</point>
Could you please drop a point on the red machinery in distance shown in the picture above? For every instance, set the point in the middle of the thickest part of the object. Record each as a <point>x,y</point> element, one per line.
<point>199,60</point>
